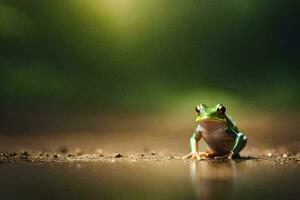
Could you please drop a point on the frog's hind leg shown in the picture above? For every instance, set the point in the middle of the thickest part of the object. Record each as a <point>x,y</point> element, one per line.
<point>240,145</point>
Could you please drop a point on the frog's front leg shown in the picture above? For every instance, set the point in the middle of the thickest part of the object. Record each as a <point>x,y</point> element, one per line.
<point>194,146</point>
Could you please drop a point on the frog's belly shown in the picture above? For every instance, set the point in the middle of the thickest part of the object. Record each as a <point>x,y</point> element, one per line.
<point>217,139</point>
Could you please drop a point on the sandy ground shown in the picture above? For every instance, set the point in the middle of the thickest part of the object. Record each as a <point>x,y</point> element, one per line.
<point>130,157</point>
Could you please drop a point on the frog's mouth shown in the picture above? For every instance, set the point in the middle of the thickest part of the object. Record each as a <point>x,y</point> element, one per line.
<point>209,120</point>
<point>212,123</point>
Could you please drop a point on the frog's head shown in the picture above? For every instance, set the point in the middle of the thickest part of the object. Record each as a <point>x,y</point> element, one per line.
<point>205,113</point>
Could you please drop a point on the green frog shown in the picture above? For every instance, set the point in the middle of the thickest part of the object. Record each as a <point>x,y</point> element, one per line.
<point>220,133</point>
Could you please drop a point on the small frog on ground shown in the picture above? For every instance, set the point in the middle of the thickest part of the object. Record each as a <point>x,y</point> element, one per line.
<point>219,132</point>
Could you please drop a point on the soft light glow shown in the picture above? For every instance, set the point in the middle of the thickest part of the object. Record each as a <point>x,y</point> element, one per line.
<point>123,14</point>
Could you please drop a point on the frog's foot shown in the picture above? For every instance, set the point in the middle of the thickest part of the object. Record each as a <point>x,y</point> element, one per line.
<point>204,154</point>
<point>198,155</point>
<point>193,155</point>
<point>236,156</point>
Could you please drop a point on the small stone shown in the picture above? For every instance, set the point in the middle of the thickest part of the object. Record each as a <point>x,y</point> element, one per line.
<point>2,156</point>
<point>14,154</point>
<point>118,155</point>
<point>24,155</point>
<point>269,154</point>
<point>55,156</point>
<point>142,155</point>
<point>41,154</point>
<point>153,153</point>
<point>284,155</point>
<point>170,157</point>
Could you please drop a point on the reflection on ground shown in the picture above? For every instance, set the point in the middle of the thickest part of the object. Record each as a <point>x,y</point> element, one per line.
<point>167,179</point>
<point>213,180</point>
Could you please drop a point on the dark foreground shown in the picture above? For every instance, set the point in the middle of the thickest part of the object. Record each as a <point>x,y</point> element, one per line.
<point>146,176</point>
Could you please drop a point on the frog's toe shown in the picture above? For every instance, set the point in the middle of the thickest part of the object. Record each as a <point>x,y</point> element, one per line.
<point>199,157</point>
<point>196,156</point>
<point>187,156</point>
<point>203,154</point>
<point>192,155</point>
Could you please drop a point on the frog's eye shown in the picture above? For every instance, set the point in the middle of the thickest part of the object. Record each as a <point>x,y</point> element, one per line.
<point>221,109</point>
<point>198,108</point>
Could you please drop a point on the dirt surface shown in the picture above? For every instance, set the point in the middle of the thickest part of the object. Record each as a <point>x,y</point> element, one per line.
<point>134,159</point>
<point>44,175</point>
<point>79,156</point>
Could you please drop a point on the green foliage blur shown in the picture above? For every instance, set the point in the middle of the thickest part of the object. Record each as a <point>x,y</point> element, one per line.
<point>132,54</point>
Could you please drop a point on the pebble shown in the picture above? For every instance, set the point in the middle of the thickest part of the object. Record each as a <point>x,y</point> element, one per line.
<point>284,155</point>
<point>24,155</point>
<point>270,154</point>
<point>55,156</point>
<point>118,155</point>
<point>153,153</point>
<point>14,154</point>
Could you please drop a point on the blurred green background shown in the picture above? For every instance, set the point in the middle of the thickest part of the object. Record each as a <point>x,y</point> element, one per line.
<point>146,56</point>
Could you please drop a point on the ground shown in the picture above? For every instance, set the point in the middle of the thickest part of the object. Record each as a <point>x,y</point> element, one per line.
<point>142,159</point>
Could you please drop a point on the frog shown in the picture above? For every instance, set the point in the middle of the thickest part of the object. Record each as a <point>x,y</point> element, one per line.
<point>219,131</point>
